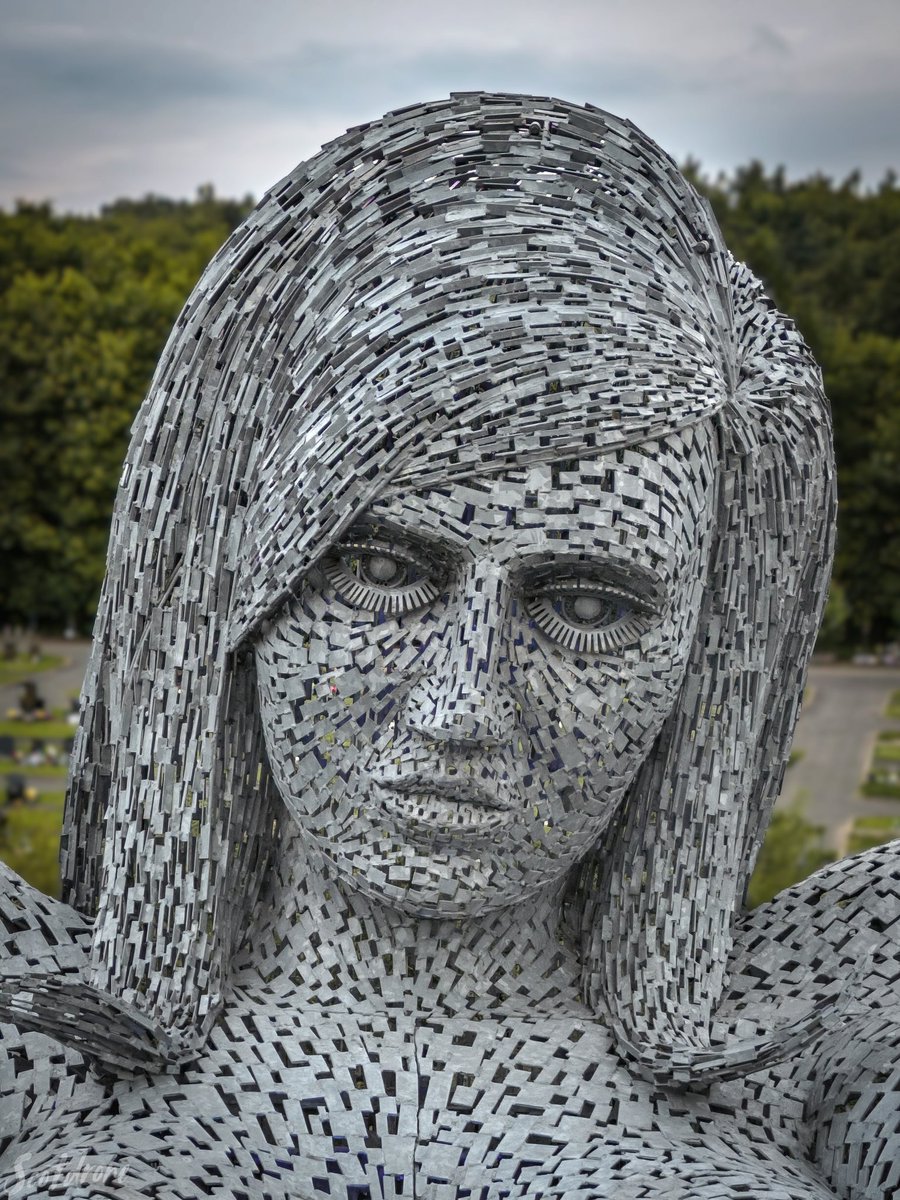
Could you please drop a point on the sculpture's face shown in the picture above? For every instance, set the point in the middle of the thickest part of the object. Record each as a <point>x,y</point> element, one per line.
<point>462,691</point>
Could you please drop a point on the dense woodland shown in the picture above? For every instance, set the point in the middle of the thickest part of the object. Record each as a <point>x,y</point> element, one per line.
<point>86,304</point>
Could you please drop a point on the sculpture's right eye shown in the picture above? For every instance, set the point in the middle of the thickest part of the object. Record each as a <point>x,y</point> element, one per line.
<point>382,576</point>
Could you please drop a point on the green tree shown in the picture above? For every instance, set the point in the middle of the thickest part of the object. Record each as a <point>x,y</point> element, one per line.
<point>86,304</point>
<point>793,848</point>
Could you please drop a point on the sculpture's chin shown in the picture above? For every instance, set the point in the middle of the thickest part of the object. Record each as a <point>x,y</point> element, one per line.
<point>433,853</point>
<point>442,882</point>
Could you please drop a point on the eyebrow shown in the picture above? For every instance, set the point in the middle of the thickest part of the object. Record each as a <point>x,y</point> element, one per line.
<point>368,525</point>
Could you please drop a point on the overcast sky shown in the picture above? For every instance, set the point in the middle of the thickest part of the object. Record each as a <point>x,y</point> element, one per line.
<point>108,98</point>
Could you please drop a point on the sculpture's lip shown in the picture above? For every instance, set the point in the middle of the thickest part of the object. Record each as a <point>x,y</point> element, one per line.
<point>442,806</point>
<point>461,789</point>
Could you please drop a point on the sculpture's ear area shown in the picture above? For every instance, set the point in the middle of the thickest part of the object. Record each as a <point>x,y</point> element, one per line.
<point>657,950</point>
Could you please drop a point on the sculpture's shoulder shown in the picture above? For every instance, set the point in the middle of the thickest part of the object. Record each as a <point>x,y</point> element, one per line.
<point>840,924</point>
<point>38,933</point>
<point>830,943</point>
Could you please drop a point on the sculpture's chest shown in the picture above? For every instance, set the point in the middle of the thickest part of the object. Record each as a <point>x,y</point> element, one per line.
<point>291,1106</point>
<point>382,1106</point>
<point>360,1101</point>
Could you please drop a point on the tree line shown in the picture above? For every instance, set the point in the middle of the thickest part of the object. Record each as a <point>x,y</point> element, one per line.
<point>86,303</point>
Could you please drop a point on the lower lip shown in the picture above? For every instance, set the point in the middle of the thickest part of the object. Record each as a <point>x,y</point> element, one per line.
<point>435,813</point>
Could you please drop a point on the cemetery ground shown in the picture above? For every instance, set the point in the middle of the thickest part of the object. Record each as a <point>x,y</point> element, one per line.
<point>23,666</point>
<point>841,793</point>
<point>30,826</point>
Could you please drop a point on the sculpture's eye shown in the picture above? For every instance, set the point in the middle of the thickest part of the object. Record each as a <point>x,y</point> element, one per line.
<point>382,576</point>
<point>587,616</point>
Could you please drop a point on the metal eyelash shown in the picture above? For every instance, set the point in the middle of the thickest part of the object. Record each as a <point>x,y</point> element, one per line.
<point>541,609</point>
<point>390,600</point>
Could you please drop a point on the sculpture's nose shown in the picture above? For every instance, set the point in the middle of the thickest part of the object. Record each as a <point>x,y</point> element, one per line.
<point>459,697</point>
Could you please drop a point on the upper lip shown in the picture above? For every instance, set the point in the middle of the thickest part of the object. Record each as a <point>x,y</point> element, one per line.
<point>461,788</point>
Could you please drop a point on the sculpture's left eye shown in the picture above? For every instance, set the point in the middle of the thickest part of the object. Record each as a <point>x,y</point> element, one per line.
<point>587,616</point>
<point>382,576</point>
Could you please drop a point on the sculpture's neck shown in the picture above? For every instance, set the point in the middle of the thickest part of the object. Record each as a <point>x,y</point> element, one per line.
<point>323,943</point>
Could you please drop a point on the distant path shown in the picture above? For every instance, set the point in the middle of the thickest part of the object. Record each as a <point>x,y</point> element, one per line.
<point>836,732</point>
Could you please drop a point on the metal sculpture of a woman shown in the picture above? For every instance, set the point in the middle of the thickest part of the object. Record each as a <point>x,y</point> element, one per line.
<point>463,575</point>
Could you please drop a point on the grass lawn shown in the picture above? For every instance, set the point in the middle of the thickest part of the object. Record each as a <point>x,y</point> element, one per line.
<point>37,729</point>
<point>29,842</point>
<point>880,790</point>
<point>793,848</point>
<point>889,735</point>
<point>888,750</point>
<point>14,670</point>
<point>47,771</point>
<point>893,706</point>
<point>872,831</point>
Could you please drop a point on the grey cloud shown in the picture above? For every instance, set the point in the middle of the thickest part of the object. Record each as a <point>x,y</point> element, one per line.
<point>309,79</point>
<point>98,72</point>
<point>770,41</point>
<point>838,133</point>
<point>134,76</point>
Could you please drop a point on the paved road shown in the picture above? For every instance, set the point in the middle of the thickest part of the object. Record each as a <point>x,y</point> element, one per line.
<point>836,732</point>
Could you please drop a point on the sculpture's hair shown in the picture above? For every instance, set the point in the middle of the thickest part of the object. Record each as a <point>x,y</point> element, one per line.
<point>317,362</point>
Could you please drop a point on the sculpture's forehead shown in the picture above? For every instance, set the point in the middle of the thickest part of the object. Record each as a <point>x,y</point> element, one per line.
<point>677,464</point>
<point>644,503</point>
